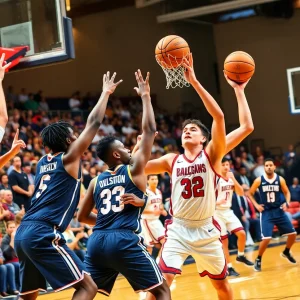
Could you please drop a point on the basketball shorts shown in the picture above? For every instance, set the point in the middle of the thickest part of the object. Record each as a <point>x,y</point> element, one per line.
<point>152,231</point>
<point>111,252</point>
<point>201,240</point>
<point>228,222</point>
<point>275,216</point>
<point>44,256</point>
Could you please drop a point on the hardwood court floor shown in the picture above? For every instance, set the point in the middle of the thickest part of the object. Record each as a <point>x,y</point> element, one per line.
<point>278,280</point>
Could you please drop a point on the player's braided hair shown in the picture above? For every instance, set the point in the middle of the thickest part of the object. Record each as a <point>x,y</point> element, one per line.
<point>202,127</point>
<point>55,136</point>
<point>103,147</point>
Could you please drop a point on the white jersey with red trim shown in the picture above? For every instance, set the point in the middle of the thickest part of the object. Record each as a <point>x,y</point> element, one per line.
<point>152,208</point>
<point>225,190</point>
<point>193,195</point>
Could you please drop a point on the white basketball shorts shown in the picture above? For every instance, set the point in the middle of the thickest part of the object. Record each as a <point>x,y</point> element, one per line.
<point>201,240</point>
<point>153,231</point>
<point>228,221</point>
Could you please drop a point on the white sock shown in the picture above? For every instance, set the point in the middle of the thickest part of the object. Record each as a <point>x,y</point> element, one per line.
<point>229,265</point>
<point>241,253</point>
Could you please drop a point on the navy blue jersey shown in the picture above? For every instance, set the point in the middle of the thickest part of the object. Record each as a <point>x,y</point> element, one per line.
<point>270,193</point>
<point>109,187</point>
<point>56,194</point>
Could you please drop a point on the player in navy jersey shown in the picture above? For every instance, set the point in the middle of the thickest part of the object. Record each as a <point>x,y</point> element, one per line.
<point>119,194</point>
<point>271,187</point>
<point>39,242</point>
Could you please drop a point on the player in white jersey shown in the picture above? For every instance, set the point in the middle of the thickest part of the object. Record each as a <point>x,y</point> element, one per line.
<point>226,218</point>
<point>193,231</point>
<point>153,230</point>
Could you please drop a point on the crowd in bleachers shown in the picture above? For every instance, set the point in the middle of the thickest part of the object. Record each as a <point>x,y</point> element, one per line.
<point>30,113</point>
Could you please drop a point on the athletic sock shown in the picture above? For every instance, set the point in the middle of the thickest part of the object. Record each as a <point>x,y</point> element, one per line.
<point>241,253</point>
<point>286,251</point>
<point>229,265</point>
<point>259,257</point>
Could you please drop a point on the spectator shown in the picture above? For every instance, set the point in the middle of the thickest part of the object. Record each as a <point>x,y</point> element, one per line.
<point>259,170</point>
<point>127,129</point>
<point>7,278</point>
<point>31,104</point>
<point>23,96</point>
<point>98,137</point>
<point>5,216</point>
<point>242,177</point>
<point>74,102</point>
<point>289,156</point>
<point>248,164</point>
<point>22,190</point>
<point>4,182</point>
<point>107,128</point>
<point>8,201</point>
<point>27,171</point>
<point>38,97</point>
<point>72,242</point>
<point>43,106</point>
<point>8,250</point>
<point>295,190</point>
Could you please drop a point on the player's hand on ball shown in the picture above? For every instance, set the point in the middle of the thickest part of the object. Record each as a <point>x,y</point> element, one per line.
<point>235,85</point>
<point>108,83</point>
<point>143,85</point>
<point>3,66</point>
<point>132,199</point>
<point>189,73</point>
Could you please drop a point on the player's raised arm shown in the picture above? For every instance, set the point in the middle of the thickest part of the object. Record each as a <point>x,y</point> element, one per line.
<point>237,187</point>
<point>285,190</point>
<point>217,146</point>
<point>15,149</point>
<point>3,109</point>
<point>85,214</point>
<point>252,191</point>
<point>94,120</point>
<point>142,155</point>
<point>246,124</point>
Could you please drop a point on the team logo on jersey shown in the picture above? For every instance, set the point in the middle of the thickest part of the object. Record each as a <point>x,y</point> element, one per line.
<point>263,183</point>
<point>179,161</point>
<point>276,182</point>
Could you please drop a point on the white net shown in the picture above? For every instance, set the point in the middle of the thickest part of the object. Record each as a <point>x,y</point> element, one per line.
<point>174,72</point>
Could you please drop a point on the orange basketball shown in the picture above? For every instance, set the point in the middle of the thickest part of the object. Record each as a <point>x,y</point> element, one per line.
<point>170,51</point>
<point>239,66</point>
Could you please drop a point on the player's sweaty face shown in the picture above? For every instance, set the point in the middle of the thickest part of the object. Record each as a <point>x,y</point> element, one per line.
<point>191,135</point>
<point>269,167</point>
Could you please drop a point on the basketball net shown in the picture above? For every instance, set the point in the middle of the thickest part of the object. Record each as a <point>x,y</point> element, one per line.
<point>175,74</point>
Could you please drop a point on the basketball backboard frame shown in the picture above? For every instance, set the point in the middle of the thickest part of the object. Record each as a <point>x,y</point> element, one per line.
<point>55,55</point>
<point>294,109</point>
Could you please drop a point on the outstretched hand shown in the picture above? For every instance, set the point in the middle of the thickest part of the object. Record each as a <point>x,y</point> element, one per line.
<point>17,144</point>
<point>235,85</point>
<point>3,66</point>
<point>189,73</point>
<point>143,85</point>
<point>108,83</point>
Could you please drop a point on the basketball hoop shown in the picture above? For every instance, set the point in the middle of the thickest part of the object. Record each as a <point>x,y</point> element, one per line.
<point>174,72</point>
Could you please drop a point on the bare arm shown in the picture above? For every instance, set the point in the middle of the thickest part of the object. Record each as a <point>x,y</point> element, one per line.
<point>15,149</point>
<point>217,146</point>
<point>235,137</point>
<point>142,155</point>
<point>93,123</point>
<point>237,187</point>
<point>160,165</point>
<point>285,190</point>
<point>19,190</point>
<point>85,214</point>
<point>3,109</point>
<point>252,191</point>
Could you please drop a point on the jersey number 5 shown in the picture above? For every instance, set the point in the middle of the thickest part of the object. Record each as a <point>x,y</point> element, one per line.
<point>107,196</point>
<point>42,186</point>
<point>192,188</point>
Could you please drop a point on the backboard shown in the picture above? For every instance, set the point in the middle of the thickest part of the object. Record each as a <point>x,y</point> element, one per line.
<point>293,76</point>
<point>41,25</point>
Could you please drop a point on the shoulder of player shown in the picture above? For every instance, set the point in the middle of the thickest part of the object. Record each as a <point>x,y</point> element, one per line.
<point>281,179</point>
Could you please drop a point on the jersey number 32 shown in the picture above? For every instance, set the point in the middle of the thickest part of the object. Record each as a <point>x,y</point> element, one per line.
<point>192,187</point>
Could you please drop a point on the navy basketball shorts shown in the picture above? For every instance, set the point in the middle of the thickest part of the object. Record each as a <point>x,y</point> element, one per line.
<point>110,252</point>
<point>275,216</point>
<point>44,256</point>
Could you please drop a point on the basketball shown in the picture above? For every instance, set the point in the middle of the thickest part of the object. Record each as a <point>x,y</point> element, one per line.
<point>239,66</point>
<point>171,50</point>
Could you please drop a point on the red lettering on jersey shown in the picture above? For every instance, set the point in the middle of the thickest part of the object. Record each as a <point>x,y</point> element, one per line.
<point>191,170</point>
<point>227,187</point>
